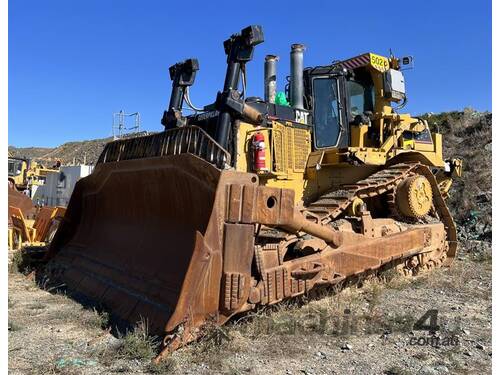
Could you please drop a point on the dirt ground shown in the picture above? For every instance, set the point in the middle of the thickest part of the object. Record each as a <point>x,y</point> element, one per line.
<point>356,330</point>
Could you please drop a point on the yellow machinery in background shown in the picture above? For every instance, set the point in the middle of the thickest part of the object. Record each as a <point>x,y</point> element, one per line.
<point>17,170</point>
<point>36,232</point>
<point>26,175</point>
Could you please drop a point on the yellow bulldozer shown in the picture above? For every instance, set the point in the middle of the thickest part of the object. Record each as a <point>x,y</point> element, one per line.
<point>248,201</point>
<point>17,168</point>
<point>26,175</point>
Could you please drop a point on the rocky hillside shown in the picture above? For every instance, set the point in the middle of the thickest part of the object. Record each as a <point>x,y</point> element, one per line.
<point>78,152</point>
<point>68,153</point>
<point>468,135</point>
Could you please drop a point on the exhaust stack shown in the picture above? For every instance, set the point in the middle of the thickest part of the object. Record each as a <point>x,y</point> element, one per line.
<point>270,78</point>
<point>296,76</point>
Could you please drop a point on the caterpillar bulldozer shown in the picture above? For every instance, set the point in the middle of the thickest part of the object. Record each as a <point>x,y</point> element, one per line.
<point>248,201</point>
<point>27,175</point>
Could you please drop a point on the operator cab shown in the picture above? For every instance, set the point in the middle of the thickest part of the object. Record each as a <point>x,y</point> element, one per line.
<point>15,166</point>
<point>338,100</point>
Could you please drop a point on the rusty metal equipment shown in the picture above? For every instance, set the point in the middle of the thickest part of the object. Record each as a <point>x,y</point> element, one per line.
<point>25,206</point>
<point>179,228</point>
<point>20,200</point>
<point>24,232</point>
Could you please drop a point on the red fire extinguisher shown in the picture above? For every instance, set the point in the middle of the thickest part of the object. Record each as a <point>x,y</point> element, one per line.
<point>259,153</point>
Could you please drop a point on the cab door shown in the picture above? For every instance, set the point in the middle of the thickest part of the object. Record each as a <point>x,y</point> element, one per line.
<point>331,128</point>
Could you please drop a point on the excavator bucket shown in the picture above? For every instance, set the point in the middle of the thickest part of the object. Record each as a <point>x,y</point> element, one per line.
<point>143,236</point>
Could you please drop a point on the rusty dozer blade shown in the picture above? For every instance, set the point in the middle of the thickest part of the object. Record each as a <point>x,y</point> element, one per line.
<point>143,237</point>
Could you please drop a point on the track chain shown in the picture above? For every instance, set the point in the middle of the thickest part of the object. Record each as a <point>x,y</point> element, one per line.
<point>332,204</point>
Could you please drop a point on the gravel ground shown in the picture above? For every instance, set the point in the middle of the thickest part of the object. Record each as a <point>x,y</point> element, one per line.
<point>356,330</point>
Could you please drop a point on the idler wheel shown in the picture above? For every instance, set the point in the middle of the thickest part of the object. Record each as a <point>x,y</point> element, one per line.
<point>414,197</point>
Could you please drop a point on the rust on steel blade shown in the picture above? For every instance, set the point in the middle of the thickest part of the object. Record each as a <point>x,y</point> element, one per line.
<point>143,237</point>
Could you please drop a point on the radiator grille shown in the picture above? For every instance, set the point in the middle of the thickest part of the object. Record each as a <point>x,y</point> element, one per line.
<point>291,148</point>
<point>302,148</point>
<point>279,148</point>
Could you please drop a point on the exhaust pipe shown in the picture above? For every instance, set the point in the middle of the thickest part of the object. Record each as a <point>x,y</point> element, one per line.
<point>296,76</point>
<point>270,78</point>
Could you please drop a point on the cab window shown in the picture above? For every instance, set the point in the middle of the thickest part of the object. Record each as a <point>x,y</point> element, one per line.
<point>15,167</point>
<point>326,112</point>
<point>361,98</point>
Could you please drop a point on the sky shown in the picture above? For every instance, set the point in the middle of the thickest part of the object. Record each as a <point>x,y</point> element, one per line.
<point>72,64</point>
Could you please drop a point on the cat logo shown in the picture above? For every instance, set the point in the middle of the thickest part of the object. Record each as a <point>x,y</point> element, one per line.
<point>301,116</point>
